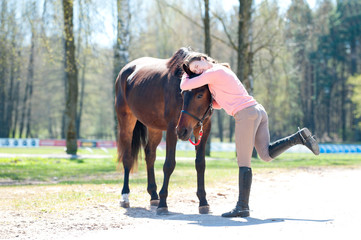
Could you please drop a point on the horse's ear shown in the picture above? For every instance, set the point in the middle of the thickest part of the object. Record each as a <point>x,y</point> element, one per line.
<point>187,70</point>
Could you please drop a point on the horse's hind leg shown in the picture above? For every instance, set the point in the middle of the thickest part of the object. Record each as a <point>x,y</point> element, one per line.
<point>154,138</point>
<point>126,124</point>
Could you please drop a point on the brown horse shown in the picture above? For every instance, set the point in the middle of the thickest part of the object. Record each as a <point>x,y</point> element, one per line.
<point>149,101</point>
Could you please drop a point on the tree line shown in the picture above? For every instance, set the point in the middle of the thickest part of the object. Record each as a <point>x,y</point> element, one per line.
<point>57,73</point>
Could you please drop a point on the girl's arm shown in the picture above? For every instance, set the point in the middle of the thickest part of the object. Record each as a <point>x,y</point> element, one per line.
<point>196,82</point>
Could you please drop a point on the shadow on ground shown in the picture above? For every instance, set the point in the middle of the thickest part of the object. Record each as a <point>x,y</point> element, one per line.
<point>209,220</point>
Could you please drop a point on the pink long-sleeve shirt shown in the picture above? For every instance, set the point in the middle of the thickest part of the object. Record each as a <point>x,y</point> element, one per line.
<point>226,89</point>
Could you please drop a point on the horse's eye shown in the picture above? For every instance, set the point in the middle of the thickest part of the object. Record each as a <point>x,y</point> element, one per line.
<point>200,96</point>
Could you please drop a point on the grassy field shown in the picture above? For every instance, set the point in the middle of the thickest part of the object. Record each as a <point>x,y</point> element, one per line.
<point>220,165</point>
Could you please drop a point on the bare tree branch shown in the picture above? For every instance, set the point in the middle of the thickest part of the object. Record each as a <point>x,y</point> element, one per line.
<point>197,24</point>
<point>225,30</point>
<point>266,44</point>
<point>162,16</point>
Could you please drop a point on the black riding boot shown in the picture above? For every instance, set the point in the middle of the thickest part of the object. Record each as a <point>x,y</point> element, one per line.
<point>303,137</point>
<point>244,183</point>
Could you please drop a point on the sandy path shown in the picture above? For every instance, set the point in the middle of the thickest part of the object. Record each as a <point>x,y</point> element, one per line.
<point>322,203</point>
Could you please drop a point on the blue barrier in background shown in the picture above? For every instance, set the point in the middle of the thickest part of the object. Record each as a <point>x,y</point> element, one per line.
<point>185,146</point>
<point>324,148</point>
<point>340,148</point>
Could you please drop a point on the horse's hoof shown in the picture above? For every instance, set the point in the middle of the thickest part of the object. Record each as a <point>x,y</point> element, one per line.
<point>124,204</point>
<point>154,203</point>
<point>204,209</point>
<point>125,200</point>
<point>162,211</point>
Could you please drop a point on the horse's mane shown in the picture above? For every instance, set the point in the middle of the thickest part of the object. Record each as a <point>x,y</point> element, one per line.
<point>174,64</point>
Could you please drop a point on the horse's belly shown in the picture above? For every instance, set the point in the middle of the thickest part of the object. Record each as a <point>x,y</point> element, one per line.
<point>151,119</point>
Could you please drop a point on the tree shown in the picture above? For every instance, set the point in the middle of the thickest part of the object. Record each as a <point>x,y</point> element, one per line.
<point>244,54</point>
<point>274,77</point>
<point>10,62</point>
<point>3,66</point>
<point>207,29</point>
<point>71,75</point>
<point>121,46</point>
<point>355,82</point>
<point>333,60</point>
<point>82,53</point>
<point>207,48</point>
<point>30,75</point>
<point>298,30</point>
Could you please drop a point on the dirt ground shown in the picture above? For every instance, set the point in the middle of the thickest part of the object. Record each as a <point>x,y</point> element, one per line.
<point>310,203</point>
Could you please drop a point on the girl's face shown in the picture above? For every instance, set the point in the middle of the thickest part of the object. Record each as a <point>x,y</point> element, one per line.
<point>200,66</point>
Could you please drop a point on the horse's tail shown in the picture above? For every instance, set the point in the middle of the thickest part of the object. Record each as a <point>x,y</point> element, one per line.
<point>140,131</point>
<point>139,140</point>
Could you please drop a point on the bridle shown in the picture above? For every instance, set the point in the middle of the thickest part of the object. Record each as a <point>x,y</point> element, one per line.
<point>200,120</point>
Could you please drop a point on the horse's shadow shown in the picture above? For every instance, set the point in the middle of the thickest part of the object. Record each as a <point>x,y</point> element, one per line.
<point>209,220</point>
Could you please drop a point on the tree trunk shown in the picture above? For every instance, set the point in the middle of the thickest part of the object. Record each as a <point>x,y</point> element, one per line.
<point>207,48</point>
<point>343,103</point>
<point>50,122</point>
<point>353,67</point>
<point>231,128</point>
<point>83,16</point>
<point>30,81</point>
<point>207,29</point>
<point>353,120</point>
<point>81,99</point>
<point>16,108</point>
<point>220,125</point>
<point>30,75</point>
<point>121,52</point>
<point>10,99</point>
<point>243,51</point>
<point>3,64</point>
<point>71,74</point>
<point>65,83</point>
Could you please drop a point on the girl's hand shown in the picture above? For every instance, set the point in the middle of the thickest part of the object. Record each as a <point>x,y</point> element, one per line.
<point>185,76</point>
<point>216,105</point>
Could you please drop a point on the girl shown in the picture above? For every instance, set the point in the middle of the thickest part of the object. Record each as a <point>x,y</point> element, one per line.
<point>251,122</point>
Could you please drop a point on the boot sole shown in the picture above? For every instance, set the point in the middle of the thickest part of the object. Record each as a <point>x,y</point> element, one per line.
<point>311,143</point>
<point>242,214</point>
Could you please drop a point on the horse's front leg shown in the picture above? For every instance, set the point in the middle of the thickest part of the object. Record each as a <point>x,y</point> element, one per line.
<point>154,138</point>
<point>201,167</point>
<point>168,168</point>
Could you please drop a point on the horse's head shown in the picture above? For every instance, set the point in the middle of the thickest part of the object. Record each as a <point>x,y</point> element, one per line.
<point>197,106</point>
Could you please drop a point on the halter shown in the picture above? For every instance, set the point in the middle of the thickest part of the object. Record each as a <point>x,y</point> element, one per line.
<point>200,121</point>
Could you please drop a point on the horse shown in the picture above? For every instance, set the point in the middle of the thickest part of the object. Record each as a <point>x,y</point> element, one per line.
<point>148,101</point>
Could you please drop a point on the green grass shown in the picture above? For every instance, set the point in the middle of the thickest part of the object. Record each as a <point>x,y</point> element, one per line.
<point>54,150</point>
<point>100,171</point>
<point>52,169</point>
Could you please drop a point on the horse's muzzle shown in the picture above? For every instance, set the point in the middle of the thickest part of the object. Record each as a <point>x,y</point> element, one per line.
<point>183,133</point>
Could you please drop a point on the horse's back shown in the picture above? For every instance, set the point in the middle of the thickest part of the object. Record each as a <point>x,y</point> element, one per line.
<point>144,85</point>
<point>145,63</point>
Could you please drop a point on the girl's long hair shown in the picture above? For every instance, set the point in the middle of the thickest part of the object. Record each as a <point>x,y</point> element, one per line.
<point>198,56</point>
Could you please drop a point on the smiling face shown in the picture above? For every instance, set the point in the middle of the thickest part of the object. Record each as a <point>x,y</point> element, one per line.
<point>199,66</point>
